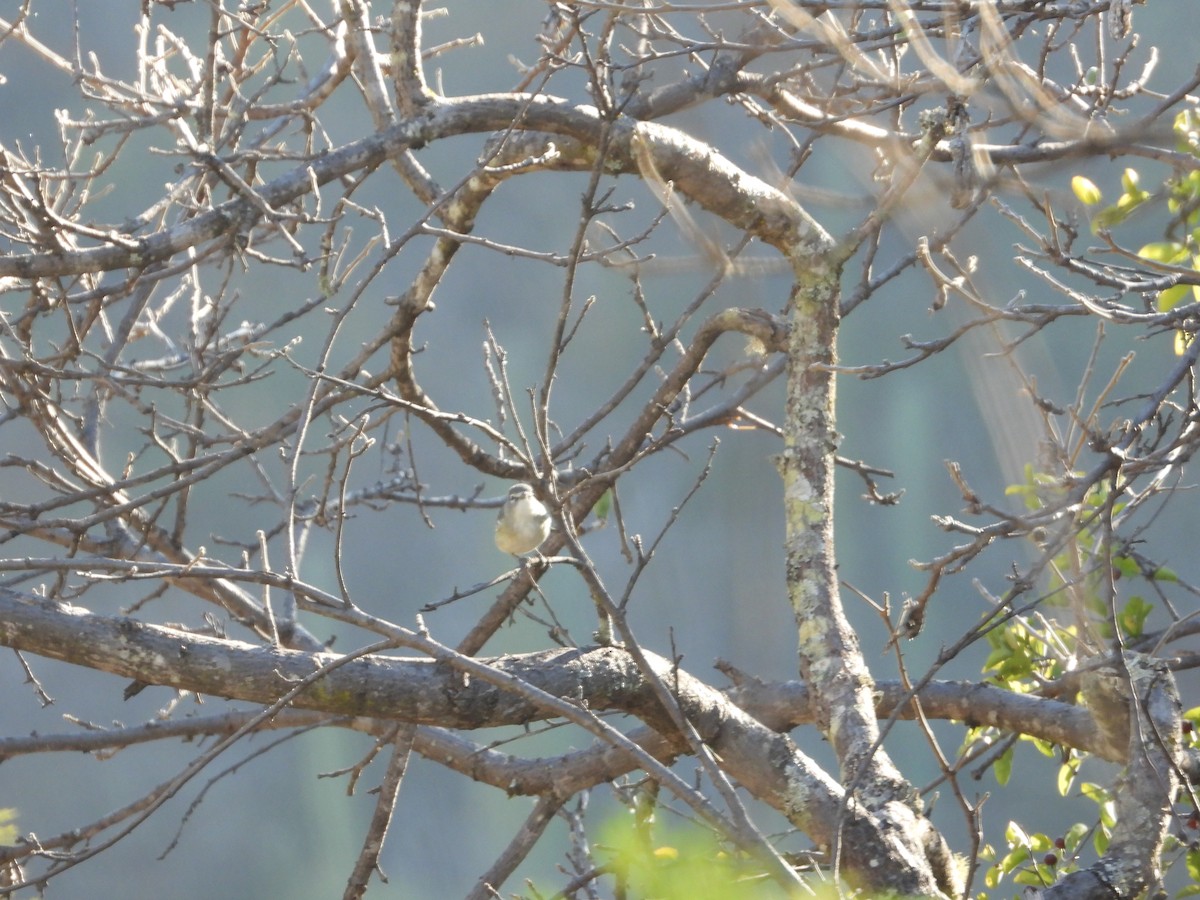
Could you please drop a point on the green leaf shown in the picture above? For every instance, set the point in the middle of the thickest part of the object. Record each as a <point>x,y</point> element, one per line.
<point>1085,190</point>
<point>1016,857</point>
<point>1126,567</point>
<point>1003,767</point>
<point>1038,876</point>
<point>1043,746</point>
<point>996,659</point>
<point>8,831</point>
<point>1027,490</point>
<point>1103,799</point>
<point>1133,616</point>
<point>1130,202</point>
<point>993,876</point>
<point>1015,835</point>
<point>1169,253</point>
<point>1182,339</point>
<point>1172,297</point>
<point>1075,835</point>
<point>1107,218</point>
<point>1108,816</point>
<point>1182,198</point>
<point>603,505</point>
<point>1066,775</point>
<point>1193,864</point>
<point>1187,132</point>
<point>1182,290</point>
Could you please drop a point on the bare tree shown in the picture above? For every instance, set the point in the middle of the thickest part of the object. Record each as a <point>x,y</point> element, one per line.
<point>183,477</point>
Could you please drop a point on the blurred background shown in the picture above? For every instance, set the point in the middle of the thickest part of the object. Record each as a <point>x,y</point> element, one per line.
<point>278,822</point>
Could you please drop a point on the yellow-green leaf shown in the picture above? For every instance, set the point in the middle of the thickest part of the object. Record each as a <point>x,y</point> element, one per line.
<point>992,878</point>
<point>1015,835</point>
<point>1108,217</point>
<point>1066,775</point>
<point>1003,766</point>
<point>1085,190</point>
<point>1182,339</point>
<point>1187,135</point>
<point>1133,616</point>
<point>1171,297</point>
<point>604,504</point>
<point>1162,573</point>
<point>8,831</point>
<point>1167,252</point>
<point>1075,835</point>
<point>1018,856</point>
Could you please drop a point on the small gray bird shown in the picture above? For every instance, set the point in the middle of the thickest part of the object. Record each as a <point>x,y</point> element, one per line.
<point>523,523</point>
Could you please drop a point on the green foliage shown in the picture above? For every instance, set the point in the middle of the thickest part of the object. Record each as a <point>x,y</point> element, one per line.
<point>604,505</point>
<point>682,863</point>
<point>1170,253</point>
<point>1193,867</point>
<point>1132,616</point>
<point>1037,860</point>
<point>1067,772</point>
<point>1019,658</point>
<point>1079,581</point>
<point>1132,196</point>
<point>1179,193</point>
<point>1025,861</point>
<point>8,831</point>
<point>1027,652</point>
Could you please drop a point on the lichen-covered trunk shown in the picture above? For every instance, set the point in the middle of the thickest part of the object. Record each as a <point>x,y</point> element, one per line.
<point>830,658</point>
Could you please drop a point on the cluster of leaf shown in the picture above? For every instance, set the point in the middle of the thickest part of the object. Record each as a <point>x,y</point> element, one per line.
<point>1028,652</point>
<point>1036,860</point>
<point>648,859</point>
<point>1180,248</point>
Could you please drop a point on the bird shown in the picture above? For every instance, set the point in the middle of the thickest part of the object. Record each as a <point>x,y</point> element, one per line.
<point>523,523</point>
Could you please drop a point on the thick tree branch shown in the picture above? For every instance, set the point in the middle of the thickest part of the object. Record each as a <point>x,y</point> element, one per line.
<point>419,691</point>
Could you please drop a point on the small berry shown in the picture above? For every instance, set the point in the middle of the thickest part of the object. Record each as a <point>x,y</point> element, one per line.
<point>1187,726</point>
<point>1050,859</point>
<point>1060,843</point>
<point>1193,823</point>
